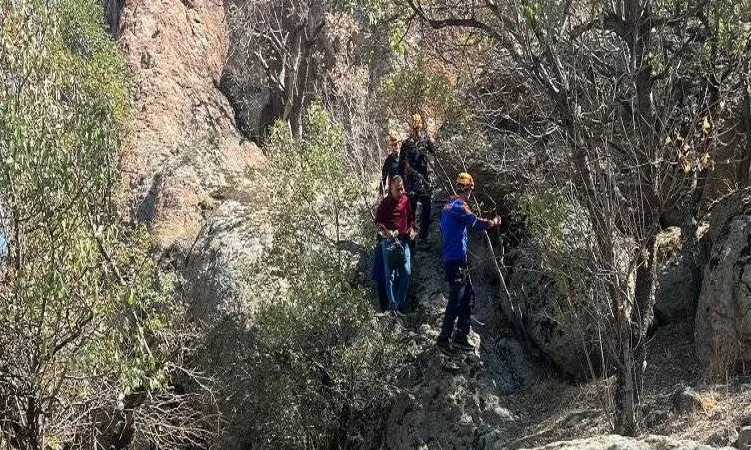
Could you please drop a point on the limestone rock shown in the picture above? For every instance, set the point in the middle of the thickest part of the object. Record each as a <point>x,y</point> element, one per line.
<point>449,407</point>
<point>184,146</point>
<point>614,442</point>
<point>687,401</point>
<point>548,319</point>
<point>232,237</point>
<point>744,439</point>
<point>723,319</point>
<point>726,436</point>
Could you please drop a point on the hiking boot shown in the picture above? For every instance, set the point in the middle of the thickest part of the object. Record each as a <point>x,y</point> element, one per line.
<point>464,345</point>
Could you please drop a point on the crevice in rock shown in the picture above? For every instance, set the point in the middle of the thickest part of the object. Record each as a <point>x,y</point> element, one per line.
<point>113,10</point>
<point>147,206</point>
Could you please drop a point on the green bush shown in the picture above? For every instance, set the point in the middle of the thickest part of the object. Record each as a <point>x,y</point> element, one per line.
<point>324,366</point>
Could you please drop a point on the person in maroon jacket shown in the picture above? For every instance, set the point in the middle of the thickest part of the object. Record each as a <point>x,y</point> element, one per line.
<point>396,222</point>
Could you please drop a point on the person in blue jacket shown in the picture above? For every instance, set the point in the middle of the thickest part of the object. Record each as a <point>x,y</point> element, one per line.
<point>456,219</point>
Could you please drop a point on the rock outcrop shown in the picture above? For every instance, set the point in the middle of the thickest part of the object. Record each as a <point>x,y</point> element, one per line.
<point>723,319</point>
<point>187,166</point>
<point>184,151</point>
<point>614,442</point>
<point>677,290</point>
<point>549,319</point>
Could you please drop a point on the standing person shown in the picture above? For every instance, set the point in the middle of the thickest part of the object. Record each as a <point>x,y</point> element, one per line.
<point>396,224</point>
<point>389,170</point>
<point>414,168</point>
<point>390,167</point>
<point>456,218</point>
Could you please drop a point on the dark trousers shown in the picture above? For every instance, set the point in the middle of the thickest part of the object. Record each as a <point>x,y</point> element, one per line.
<point>461,300</point>
<point>424,216</point>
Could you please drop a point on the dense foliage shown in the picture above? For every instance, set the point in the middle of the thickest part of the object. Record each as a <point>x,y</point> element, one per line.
<point>87,321</point>
<point>325,368</point>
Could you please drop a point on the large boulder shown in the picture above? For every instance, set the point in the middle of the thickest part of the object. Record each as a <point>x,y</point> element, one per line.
<point>551,321</point>
<point>614,442</point>
<point>723,319</point>
<point>217,264</point>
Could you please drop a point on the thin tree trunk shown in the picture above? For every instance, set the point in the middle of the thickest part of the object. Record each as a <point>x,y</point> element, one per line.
<point>644,290</point>
<point>626,405</point>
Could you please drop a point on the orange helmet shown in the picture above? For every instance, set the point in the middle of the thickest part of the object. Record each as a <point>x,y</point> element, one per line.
<point>465,181</point>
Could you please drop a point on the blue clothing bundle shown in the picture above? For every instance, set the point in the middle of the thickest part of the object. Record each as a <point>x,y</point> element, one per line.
<point>395,280</point>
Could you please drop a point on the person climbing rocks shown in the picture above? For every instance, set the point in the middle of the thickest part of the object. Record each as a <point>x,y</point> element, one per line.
<point>390,167</point>
<point>456,219</point>
<point>414,168</point>
<point>396,226</point>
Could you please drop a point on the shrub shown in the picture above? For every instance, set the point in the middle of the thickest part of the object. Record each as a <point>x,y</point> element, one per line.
<point>86,317</point>
<point>313,345</point>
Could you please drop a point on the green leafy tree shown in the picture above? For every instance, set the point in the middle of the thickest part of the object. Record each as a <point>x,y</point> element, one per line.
<point>86,318</point>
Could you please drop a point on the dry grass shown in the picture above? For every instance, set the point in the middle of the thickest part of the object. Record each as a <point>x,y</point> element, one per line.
<point>556,410</point>
<point>669,243</point>
<point>709,402</point>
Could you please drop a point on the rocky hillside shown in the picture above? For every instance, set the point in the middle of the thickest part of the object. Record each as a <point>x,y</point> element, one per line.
<point>187,237</point>
<point>188,168</point>
<point>190,174</point>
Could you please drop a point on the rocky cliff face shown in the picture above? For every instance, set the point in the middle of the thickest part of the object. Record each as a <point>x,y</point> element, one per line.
<point>185,152</point>
<point>723,319</point>
<point>188,168</point>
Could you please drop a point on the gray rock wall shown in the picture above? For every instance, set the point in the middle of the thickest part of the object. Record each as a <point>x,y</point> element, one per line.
<point>723,319</point>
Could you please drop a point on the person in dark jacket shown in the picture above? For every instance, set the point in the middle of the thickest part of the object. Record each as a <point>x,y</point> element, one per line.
<point>389,170</point>
<point>390,167</point>
<point>396,225</point>
<point>414,166</point>
<point>456,219</point>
